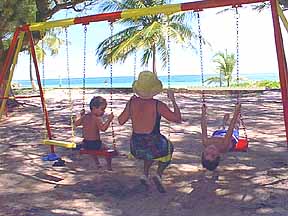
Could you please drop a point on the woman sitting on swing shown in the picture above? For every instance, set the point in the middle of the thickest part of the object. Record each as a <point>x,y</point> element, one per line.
<point>147,142</point>
<point>221,141</point>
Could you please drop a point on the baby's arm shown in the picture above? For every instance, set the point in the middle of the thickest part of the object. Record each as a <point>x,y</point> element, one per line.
<point>103,126</point>
<point>78,120</point>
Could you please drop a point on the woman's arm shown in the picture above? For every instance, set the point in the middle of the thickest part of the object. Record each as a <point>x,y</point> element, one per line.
<point>125,115</point>
<point>164,110</point>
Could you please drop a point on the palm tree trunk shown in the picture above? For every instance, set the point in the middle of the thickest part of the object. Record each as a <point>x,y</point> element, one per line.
<point>154,58</point>
<point>30,74</point>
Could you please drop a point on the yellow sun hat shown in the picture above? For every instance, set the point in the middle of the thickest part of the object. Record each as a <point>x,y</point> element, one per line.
<point>147,85</point>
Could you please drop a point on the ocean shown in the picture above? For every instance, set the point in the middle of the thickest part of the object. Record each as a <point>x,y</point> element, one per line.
<point>176,81</point>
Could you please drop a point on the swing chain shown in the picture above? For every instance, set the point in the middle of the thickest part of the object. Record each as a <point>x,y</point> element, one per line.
<point>43,79</point>
<point>111,83</point>
<point>237,16</point>
<point>135,65</point>
<point>84,68</point>
<point>168,52</point>
<point>69,84</point>
<point>43,62</point>
<point>201,56</point>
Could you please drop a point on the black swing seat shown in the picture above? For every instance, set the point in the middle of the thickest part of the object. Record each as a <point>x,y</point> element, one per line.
<point>102,152</point>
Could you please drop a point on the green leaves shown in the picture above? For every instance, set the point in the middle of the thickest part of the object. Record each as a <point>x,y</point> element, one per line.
<point>146,34</point>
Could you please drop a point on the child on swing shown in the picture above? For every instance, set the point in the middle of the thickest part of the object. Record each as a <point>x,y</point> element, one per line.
<point>221,141</point>
<point>92,125</point>
<point>147,143</point>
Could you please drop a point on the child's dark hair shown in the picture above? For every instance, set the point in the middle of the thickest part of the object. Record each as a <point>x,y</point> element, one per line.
<point>97,102</point>
<point>210,165</point>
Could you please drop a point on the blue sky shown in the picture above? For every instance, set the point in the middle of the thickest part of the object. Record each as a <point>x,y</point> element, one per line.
<point>256,37</point>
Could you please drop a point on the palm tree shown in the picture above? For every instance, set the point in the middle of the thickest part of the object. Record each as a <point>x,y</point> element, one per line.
<point>225,64</point>
<point>49,42</point>
<point>147,34</point>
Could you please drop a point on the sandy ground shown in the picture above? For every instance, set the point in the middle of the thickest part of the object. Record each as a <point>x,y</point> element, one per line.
<point>251,183</point>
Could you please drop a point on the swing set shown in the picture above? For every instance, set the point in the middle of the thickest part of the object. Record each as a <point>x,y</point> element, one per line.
<point>197,6</point>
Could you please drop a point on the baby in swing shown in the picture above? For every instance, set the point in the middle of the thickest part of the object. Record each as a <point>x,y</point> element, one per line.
<point>221,140</point>
<point>92,125</point>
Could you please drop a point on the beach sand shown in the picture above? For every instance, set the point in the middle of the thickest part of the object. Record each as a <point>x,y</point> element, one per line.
<point>246,183</point>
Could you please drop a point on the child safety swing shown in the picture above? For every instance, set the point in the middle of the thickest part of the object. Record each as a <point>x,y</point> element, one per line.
<point>242,144</point>
<point>109,152</point>
<point>61,143</point>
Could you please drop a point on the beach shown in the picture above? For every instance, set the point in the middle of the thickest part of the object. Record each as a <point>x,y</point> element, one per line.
<point>248,183</point>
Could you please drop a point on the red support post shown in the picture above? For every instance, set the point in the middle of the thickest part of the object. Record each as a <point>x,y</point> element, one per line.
<point>282,65</point>
<point>33,53</point>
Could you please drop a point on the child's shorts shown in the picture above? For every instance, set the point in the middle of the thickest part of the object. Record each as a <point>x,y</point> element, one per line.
<point>92,144</point>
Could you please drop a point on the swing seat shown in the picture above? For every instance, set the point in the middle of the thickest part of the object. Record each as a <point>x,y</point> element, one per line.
<point>102,152</point>
<point>60,143</point>
<point>242,145</point>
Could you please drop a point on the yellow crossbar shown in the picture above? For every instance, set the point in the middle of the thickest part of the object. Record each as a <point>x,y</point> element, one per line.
<point>60,143</point>
<point>52,24</point>
<point>165,9</point>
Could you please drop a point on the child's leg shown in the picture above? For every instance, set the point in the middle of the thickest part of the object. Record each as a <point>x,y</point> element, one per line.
<point>225,120</point>
<point>204,125</point>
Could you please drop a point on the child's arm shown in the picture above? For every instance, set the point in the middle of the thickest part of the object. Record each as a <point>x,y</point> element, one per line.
<point>78,120</point>
<point>104,126</point>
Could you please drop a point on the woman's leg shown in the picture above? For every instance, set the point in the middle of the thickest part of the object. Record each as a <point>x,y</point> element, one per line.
<point>147,165</point>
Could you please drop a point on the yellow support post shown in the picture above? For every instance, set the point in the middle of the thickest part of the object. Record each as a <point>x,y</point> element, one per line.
<point>8,84</point>
<point>282,16</point>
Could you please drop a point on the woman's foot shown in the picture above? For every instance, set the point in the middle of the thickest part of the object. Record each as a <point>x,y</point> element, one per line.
<point>144,180</point>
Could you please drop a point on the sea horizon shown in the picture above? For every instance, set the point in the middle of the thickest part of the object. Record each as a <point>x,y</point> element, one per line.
<point>176,81</point>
